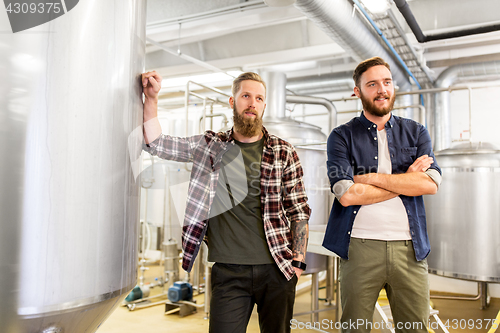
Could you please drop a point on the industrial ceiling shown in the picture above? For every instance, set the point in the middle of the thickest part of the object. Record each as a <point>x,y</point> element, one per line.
<point>198,36</point>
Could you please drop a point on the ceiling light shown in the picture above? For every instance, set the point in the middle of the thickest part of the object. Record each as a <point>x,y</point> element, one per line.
<point>376,6</point>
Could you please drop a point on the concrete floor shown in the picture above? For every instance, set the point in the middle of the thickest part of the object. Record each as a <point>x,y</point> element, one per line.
<point>462,316</point>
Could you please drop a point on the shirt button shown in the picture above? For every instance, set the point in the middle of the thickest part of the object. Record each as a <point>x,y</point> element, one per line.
<point>376,157</point>
<point>355,212</point>
<point>198,243</point>
<point>374,138</point>
<point>374,125</point>
<point>348,232</point>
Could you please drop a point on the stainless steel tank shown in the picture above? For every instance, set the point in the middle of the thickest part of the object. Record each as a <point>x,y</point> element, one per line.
<point>69,102</point>
<point>463,218</point>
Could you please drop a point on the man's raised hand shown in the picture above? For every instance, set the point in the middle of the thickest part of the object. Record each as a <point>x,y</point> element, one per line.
<point>151,84</point>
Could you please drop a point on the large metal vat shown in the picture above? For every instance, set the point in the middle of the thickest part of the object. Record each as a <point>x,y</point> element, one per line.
<point>69,101</point>
<point>463,218</point>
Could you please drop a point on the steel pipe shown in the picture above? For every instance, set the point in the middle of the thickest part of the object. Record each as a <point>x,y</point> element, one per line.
<point>275,94</point>
<point>405,10</point>
<point>442,115</point>
<point>335,18</point>
<point>332,111</point>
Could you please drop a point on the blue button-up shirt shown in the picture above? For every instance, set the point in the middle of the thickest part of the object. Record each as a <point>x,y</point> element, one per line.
<point>352,150</point>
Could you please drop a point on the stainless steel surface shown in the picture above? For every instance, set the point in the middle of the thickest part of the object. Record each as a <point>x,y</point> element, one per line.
<point>330,280</point>
<point>316,235</point>
<point>208,290</point>
<point>332,111</point>
<point>463,216</point>
<point>482,295</point>
<point>211,116</point>
<point>14,108</point>
<point>447,78</point>
<point>186,102</point>
<point>483,292</point>
<point>70,102</point>
<point>314,85</point>
<point>275,94</point>
<point>314,297</point>
<point>171,260</point>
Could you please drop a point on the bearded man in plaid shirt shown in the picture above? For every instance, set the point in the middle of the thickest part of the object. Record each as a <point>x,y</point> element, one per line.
<point>246,198</point>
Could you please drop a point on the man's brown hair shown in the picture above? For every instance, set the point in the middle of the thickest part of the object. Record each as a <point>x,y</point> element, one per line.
<point>365,65</point>
<point>246,76</point>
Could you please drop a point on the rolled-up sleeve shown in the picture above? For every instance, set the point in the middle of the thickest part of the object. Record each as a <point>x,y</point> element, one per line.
<point>341,187</point>
<point>338,164</point>
<point>435,176</point>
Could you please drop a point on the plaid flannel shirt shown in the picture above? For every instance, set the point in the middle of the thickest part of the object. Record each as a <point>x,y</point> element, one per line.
<point>283,198</point>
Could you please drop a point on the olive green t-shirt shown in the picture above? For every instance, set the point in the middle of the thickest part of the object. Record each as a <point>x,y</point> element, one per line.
<point>235,228</point>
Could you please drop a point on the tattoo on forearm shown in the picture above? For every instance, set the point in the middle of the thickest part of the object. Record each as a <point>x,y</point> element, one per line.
<point>300,233</point>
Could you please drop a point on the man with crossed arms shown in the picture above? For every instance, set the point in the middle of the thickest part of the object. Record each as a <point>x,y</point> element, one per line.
<point>379,166</point>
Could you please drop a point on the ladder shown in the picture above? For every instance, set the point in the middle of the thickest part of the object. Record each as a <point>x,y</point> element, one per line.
<point>395,34</point>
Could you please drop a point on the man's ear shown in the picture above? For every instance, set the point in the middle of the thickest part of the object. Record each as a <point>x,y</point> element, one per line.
<point>357,91</point>
<point>231,101</point>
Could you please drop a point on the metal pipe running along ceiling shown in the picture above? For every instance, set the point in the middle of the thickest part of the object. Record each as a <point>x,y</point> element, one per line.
<point>405,10</point>
<point>335,18</point>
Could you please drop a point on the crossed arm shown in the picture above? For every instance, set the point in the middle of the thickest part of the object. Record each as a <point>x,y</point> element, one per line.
<point>371,188</point>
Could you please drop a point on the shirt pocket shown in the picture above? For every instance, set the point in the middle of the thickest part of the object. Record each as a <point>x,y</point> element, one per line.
<point>408,155</point>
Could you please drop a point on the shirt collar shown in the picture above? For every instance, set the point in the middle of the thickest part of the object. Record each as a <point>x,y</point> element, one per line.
<point>368,124</point>
<point>228,137</point>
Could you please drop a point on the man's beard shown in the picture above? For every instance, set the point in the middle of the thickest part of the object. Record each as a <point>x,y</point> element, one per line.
<point>247,126</point>
<point>370,107</point>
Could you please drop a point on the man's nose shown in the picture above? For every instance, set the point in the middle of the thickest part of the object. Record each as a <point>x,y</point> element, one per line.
<point>382,89</point>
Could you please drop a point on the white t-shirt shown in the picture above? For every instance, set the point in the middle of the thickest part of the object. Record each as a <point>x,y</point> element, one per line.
<point>386,220</point>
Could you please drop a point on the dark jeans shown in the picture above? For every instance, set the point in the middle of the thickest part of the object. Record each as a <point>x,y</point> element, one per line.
<point>235,290</point>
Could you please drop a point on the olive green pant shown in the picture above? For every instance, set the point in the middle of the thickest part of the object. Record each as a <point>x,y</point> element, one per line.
<point>373,265</point>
